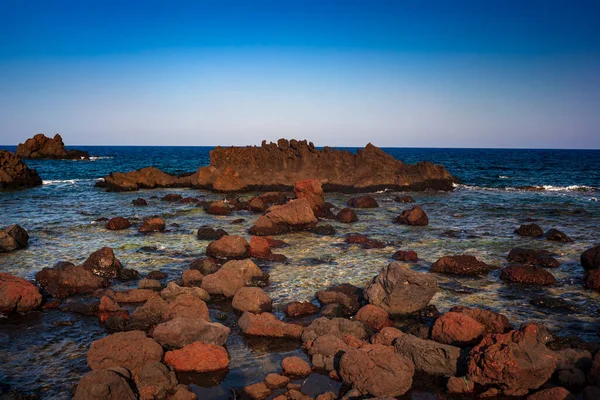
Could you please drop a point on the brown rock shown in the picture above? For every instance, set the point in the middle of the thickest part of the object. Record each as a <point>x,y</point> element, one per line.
<point>339,327</point>
<point>205,265</point>
<point>104,263</point>
<point>456,329</point>
<point>492,321</point>
<point>251,299</point>
<point>415,217</point>
<point>346,215</point>
<point>139,202</point>
<point>363,202</point>
<point>17,295</point>
<point>229,247</point>
<point>386,336</point>
<point>257,391</point>
<point>104,385</point>
<point>555,393</point>
<point>217,208</point>
<point>145,178</point>
<point>404,199</point>
<point>182,331</point>
<point>207,233</point>
<point>555,235</point>
<point>460,265</point>
<point>312,191</point>
<point>533,230</point>
<point>192,277</point>
<point>12,238</point>
<point>154,381</point>
<point>117,224</point>
<point>345,294</point>
<point>172,197</point>
<point>428,356</point>
<point>460,385</point>
<point>365,242</point>
<point>276,381</point>
<point>590,259</point>
<point>409,255</point>
<point>183,393</point>
<point>259,247</point>
<point>188,306</point>
<point>592,280</point>
<point>173,290</point>
<point>131,350</point>
<point>15,174</point>
<point>40,146</point>
<point>534,257</point>
<point>198,357</point>
<point>266,324</point>
<point>133,295</point>
<point>296,366</point>
<point>232,276</point>
<point>152,224</point>
<point>527,274</point>
<point>375,317</point>
<point>295,215</point>
<point>68,279</point>
<point>297,309</point>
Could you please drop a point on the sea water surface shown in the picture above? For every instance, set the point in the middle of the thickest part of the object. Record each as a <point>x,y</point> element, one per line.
<point>45,352</point>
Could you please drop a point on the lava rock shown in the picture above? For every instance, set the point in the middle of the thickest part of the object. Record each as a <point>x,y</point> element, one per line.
<point>533,230</point>
<point>414,217</point>
<point>460,265</point>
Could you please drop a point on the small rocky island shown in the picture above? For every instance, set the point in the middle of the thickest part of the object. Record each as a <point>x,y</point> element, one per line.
<point>42,147</point>
<point>15,174</point>
<point>277,166</point>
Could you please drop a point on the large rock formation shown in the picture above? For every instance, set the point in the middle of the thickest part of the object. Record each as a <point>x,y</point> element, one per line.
<point>278,166</point>
<point>41,146</point>
<point>15,174</point>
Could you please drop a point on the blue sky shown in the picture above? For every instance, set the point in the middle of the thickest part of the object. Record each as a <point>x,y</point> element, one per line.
<point>414,73</point>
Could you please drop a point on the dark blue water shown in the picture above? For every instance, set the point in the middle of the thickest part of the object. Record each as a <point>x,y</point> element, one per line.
<point>40,356</point>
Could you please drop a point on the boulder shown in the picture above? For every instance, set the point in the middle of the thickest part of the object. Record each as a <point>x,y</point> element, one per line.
<point>514,362</point>
<point>404,199</point>
<point>17,295</point>
<point>104,385</point>
<point>217,208</point>
<point>402,255</point>
<point>312,191</point>
<point>374,317</point>
<point>173,290</point>
<point>207,233</point>
<point>149,314</point>
<point>339,327</point>
<point>276,381</point>
<point>460,265</point>
<point>40,146</point>
<point>399,290</point>
<point>154,381</point>
<point>386,336</point>
<point>251,299</point>
<point>457,329</point>
<point>232,276</point>
<point>133,295</point>
<point>188,306</point>
<point>258,391</point>
<point>591,280</point>
<point>414,217</point>
<point>297,309</point>
<point>346,215</point>
<point>326,351</point>
<point>491,321</point>
<point>534,257</point>
<point>67,279</point>
<point>527,274</point>
<point>555,393</point>
<point>555,235</point>
<point>152,224</point>
<point>205,265</point>
<point>377,371</point>
<point>459,385</point>
<point>104,263</point>
<point>172,197</point>
<point>266,324</point>
<point>157,275</point>
<point>295,366</point>
<point>13,237</point>
<point>181,331</point>
<point>117,224</point>
<point>191,277</point>
<point>15,174</point>
<point>198,357</point>
<point>590,259</point>
<point>533,230</point>
<point>260,247</point>
<point>428,356</point>
<point>229,247</point>
<point>345,294</point>
<point>295,215</point>
<point>363,202</point>
<point>139,202</point>
<point>131,350</point>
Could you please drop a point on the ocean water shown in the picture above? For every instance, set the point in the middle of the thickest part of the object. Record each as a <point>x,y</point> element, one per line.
<point>40,353</point>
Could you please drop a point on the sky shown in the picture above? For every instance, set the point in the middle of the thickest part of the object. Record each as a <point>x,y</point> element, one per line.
<point>404,73</point>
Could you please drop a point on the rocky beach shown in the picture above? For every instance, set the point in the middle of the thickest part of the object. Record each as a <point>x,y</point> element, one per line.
<point>289,271</point>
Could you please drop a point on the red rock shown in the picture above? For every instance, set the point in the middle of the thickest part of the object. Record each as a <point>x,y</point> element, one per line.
<point>312,191</point>
<point>104,263</point>
<point>295,215</point>
<point>460,385</point>
<point>276,381</point>
<point>251,299</point>
<point>592,280</point>
<point>409,255</point>
<point>555,393</point>
<point>188,306</point>
<point>259,247</point>
<point>460,265</point>
<point>192,277</point>
<point>133,295</point>
<point>40,146</point>
<point>68,279</point>
<point>154,381</point>
<point>363,202</point>
<point>374,317</point>
<point>205,265</point>
<point>456,329</point>
<point>514,362</point>
<point>415,217</point>
<point>492,321</point>
<point>131,350</point>
<point>104,385</point>
<point>386,336</point>
<point>346,215</point>
<point>266,324</point>
<point>232,276</point>
<point>229,247</point>
<point>152,224</point>
<point>217,208</point>
<point>534,257</point>
<point>257,391</point>
<point>527,274</point>
<point>198,357</point>
<point>117,224</point>
<point>172,197</point>
<point>17,295</point>
<point>296,366</point>
<point>299,309</point>
<point>365,242</point>
<point>15,174</point>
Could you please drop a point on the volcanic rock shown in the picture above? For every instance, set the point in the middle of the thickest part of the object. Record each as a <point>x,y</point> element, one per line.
<point>217,208</point>
<point>67,279</point>
<point>198,357</point>
<point>154,381</point>
<point>339,327</point>
<point>232,276</point>
<point>492,321</point>
<point>131,350</point>
<point>402,255</point>
<point>172,197</point>
<point>534,257</point>
<point>229,247</point>
<point>12,238</point>
<point>311,190</point>
<point>527,274</point>
<point>295,215</point>
<point>415,217</point>
<point>117,224</point>
<point>181,331</point>
<point>557,236</point>
<point>251,299</point>
<point>363,202</point>
<point>296,366</point>
<point>374,317</point>
<point>152,224</point>
<point>456,329</point>
<point>15,174</point>
<point>533,230</point>
<point>41,146</point>
<point>460,265</point>
<point>104,263</point>
<point>428,356</point>
<point>299,309</point>
<point>207,233</point>
<point>145,178</point>
<point>266,324</point>
<point>590,259</point>
<point>346,215</point>
<point>17,295</point>
<point>104,384</point>
<point>205,265</point>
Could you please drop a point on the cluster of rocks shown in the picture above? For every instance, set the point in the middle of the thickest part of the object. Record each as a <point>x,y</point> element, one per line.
<point>534,230</point>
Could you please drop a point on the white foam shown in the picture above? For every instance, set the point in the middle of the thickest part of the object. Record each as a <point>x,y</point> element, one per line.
<point>503,177</point>
<point>62,181</point>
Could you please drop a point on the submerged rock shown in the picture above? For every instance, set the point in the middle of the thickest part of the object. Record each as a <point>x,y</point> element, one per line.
<point>299,309</point>
<point>590,259</point>
<point>399,290</point>
<point>534,257</point>
<point>152,224</point>
<point>404,199</point>
<point>15,174</point>
<point>117,224</point>
<point>527,274</point>
<point>408,255</point>
<point>364,241</point>
<point>346,215</point>
<point>181,331</point>
<point>414,217</point>
<point>207,233</point>
<point>217,208</point>
<point>13,237</point>
<point>17,295</point>
<point>363,202</point>
<point>530,230</point>
<point>67,279</point>
<point>460,265</point>
<point>557,236</point>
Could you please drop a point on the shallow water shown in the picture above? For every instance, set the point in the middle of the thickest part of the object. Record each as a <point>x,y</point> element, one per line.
<point>39,354</point>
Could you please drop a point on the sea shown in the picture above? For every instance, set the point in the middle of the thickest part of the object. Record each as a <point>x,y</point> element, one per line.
<point>44,353</point>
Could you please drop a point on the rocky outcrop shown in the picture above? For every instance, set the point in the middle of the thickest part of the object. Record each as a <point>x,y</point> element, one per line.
<point>278,166</point>
<point>12,238</point>
<point>399,290</point>
<point>40,146</point>
<point>17,295</point>
<point>15,174</point>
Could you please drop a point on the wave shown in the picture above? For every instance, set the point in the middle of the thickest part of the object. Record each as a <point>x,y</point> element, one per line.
<point>535,188</point>
<point>63,181</point>
<point>503,177</point>
<point>94,158</point>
